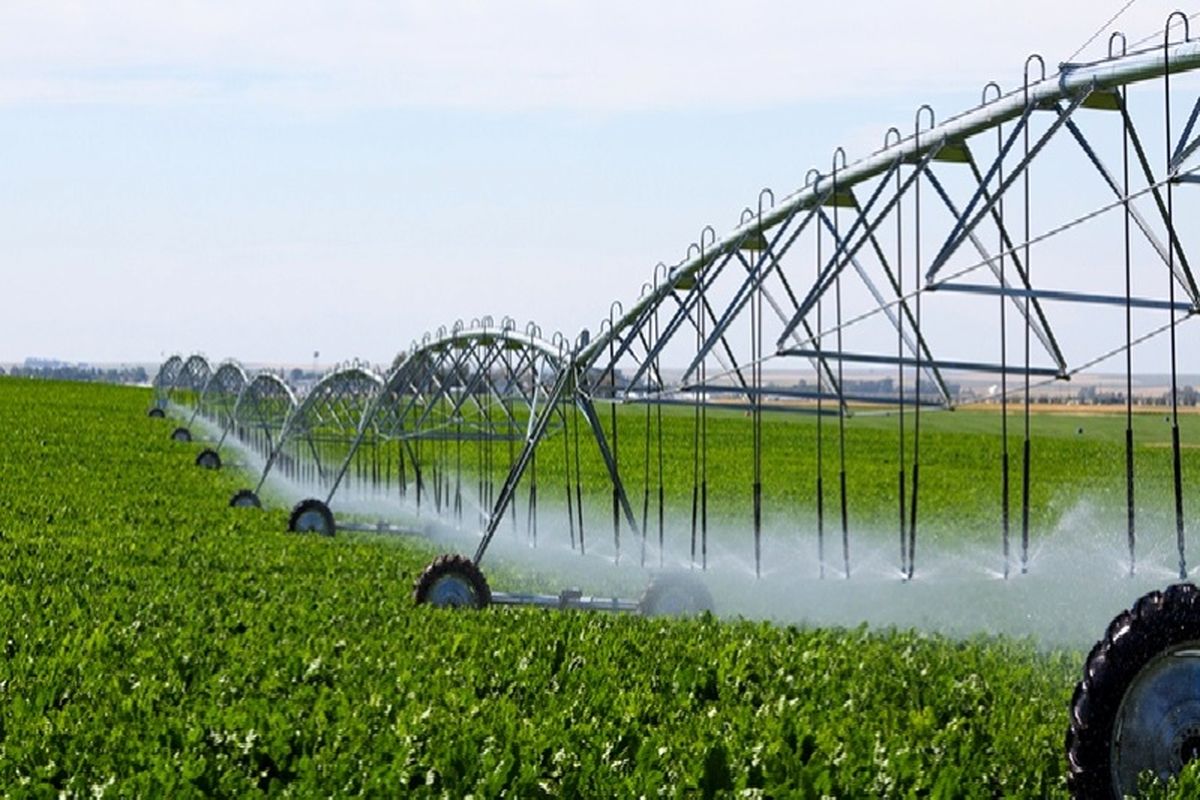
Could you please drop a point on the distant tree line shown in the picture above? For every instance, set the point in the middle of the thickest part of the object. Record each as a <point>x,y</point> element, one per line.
<point>1091,396</point>
<point>80,372</point>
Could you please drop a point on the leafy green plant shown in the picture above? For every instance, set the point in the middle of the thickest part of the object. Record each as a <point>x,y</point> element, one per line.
<point>158,643</point>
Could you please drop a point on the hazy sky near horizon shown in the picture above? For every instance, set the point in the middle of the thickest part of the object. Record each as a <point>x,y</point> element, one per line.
<point>263,180</point>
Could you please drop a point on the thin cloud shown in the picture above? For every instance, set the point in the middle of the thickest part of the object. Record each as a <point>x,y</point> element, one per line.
<point>528,54</point>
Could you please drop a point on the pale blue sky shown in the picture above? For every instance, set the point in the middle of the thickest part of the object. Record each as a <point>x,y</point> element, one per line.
<point>261,182</point>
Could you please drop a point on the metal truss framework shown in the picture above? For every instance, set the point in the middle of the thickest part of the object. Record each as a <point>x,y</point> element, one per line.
<point>869,264</point>
<point>773,290</point>
<point>219,397</point>
<point>254,409</point>
<point>164,380</point>
<point>262,411</point>
<point>314,438</point>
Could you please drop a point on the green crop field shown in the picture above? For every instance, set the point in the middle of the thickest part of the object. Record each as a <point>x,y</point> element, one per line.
<point>1072,457</point>
<point>1075,458</point>
<point>158,643</point>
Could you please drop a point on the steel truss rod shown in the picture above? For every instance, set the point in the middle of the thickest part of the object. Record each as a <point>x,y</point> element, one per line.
<point>809,394</point>
<point>444,434</point>
<point>682,314</point>
<point>841,257</point>
<point>932,373</point>
<point>755,277</point>
<point>958,273</point>
<point>651,377</point>
<point>1189,280</point>
<point>963,227</point>
<point>684,311</point>
<point>441,380</point>
<point>1183,272</point>
<point>1184,149</point>
<point>420,373</point>
<point>481,373</point>
<point>530,360</point>
<point>427,373</point>
<point>1041,325</point>
<point>809,410</point>
<point>298,420</point>
<point>844,252</point>
<point>818,364</point>
<point>965,366</point>
<point>750,286</point>
<point>484,366</point>
<point>1070,297</point>
<point>733,368</point>
<point>1074,78</point>
<point>568,379</point>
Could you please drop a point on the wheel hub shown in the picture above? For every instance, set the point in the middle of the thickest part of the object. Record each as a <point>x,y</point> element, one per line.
<point>1158,725</point>
<point>245,499</point>
<point>310,521</point>
<point>451,591</point>
<point>1187,745</point>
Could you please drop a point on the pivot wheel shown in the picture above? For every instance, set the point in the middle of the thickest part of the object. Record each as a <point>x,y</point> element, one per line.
<point>245,498</point>
<point>311,516</point>
<point>1137,708</point>
<point>675,594</point>
<point>209,459</point>
<point>155,413</point>
<point>452,581</point>
<point>181,434</point>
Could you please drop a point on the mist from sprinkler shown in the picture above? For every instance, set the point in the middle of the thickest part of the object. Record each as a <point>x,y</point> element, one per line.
<point>1077,579</point>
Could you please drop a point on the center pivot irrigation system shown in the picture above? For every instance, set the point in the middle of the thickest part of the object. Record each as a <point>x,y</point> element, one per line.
<point>1016,245</point>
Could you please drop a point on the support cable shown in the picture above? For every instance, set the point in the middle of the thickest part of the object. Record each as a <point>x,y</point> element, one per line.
<point>659,429</point>
<point>703,278</point>
<point>578,472</point>
<point>1130,514</point>
<point>612,404</point>
<point>646,487</point>
<point>696,398</point>
<point>756,322</point>
<point>1005,500</point>
<point>1026,446</point>
<point>512,455</point>
<point>1102,29</point>
<point>916,467</point>
<point>820,422</point>
<point>458,474</point>
<point>901,465</point>
<point>532,521</point>
<point>567,474</point>
<point>841,383</point>
<point>1177,461</point>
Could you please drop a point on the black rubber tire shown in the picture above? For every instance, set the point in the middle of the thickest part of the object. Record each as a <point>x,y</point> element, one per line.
<point>304,512</point>
<point>675,594</point>
<point>452,566</point>
<point>245,498</point>
<point>208,458</point>
<point>1157,622</point>
<point>181,434</point>
<point>156,413</point>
